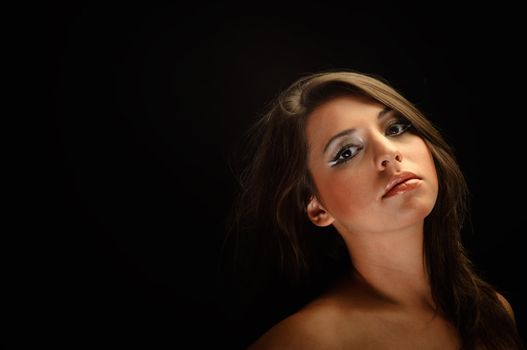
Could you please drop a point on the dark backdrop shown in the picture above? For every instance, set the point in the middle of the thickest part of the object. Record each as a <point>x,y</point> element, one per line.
<point>148,101</point>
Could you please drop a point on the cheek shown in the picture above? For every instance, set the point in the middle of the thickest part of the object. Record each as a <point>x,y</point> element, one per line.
<point>350,195</point>
<point>430,168</point>
<point>423,157</point>
<point>433,175</point>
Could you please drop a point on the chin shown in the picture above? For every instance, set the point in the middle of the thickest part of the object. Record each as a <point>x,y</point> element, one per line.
<point>416,210</point>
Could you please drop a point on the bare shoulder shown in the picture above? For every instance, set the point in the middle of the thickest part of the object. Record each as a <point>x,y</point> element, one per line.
<point>506,305</point>
<point>313,327</point>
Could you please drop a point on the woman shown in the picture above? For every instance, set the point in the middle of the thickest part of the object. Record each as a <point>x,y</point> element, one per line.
<point>343,156</point>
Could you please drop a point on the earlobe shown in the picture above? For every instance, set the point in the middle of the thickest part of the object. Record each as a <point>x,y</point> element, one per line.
<point>317,214</point>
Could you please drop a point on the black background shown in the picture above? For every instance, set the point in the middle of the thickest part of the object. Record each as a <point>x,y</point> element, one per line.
<point>147,102</point>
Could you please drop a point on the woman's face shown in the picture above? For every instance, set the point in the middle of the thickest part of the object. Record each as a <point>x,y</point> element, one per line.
<point>358,150</point>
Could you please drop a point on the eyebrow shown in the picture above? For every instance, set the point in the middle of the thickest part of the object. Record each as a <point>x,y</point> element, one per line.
<point>346,132</point>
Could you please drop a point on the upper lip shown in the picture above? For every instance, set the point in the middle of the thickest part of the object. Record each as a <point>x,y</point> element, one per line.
<point>398,178</point>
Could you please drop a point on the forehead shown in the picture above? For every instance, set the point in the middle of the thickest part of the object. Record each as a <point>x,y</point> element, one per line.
<point>339,114</point>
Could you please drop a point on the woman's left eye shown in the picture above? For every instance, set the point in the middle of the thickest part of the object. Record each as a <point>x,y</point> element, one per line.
<point>398,128</point>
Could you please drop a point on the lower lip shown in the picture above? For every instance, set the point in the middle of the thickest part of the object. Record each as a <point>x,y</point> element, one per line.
<point>403,188</point>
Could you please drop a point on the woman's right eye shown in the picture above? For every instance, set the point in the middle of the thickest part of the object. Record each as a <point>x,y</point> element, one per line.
<point>345,153</point>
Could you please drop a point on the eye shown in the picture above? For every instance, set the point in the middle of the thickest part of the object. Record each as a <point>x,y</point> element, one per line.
<point>398,127</point>
<point>345,153</point>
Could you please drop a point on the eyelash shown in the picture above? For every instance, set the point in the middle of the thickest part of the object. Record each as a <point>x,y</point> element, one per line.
<point>404,126</point>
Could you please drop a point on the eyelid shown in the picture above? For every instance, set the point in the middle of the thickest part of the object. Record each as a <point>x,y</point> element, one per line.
<point>335,160</point>
<point>400,120</point>
<point>341,149</point>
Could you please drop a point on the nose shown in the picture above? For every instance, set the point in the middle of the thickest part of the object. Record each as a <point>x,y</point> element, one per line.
<point>387,154</point>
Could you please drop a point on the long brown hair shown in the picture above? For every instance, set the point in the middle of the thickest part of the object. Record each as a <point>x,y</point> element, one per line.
<point>275,186</point>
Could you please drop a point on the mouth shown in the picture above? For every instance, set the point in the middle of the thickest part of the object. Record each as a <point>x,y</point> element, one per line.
<point>401,183</point>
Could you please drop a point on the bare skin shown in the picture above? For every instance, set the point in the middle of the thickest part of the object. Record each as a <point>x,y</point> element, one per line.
<point>385,301</point>
<point>349,317</point>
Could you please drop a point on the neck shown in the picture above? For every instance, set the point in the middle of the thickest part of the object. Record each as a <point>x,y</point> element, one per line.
<point>392,266</point>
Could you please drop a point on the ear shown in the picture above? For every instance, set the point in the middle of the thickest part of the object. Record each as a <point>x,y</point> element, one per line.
<point>318,214</point>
